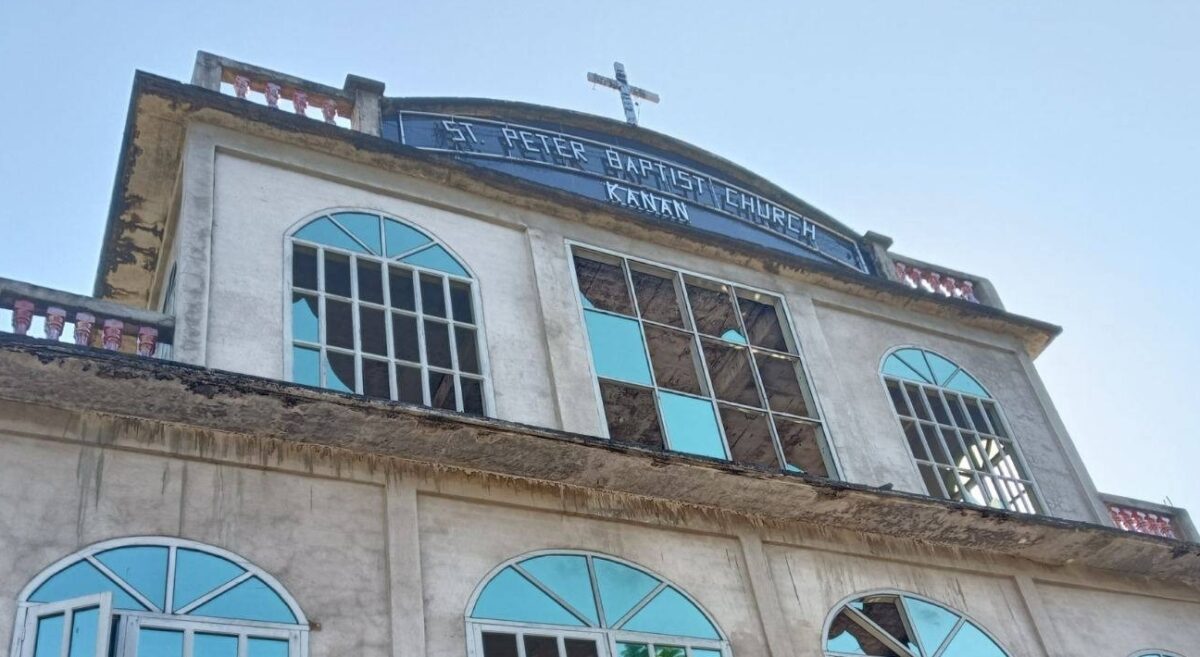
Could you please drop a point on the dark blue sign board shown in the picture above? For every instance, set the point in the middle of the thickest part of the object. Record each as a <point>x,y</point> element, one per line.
<point>619,173</point>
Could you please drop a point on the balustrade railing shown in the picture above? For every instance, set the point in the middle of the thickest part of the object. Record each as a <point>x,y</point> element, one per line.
<point>303,101</point>
<point>85,321</point>
<point>1143,521</point>
<point>935,282</point>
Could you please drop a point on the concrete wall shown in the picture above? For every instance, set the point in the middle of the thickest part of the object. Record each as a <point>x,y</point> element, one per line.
<point>242,194</point>
<point>385,560</point>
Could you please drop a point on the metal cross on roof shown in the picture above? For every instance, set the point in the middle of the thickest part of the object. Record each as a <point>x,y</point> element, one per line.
<point>627,90</point>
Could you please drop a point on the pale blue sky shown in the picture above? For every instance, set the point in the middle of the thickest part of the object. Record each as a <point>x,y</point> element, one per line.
<point>1050,146</point>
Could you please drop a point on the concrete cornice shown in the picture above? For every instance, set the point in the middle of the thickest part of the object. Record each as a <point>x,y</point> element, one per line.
<point>42,373</point>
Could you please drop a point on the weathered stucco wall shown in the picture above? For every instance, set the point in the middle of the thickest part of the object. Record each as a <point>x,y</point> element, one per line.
<point>540,368</point>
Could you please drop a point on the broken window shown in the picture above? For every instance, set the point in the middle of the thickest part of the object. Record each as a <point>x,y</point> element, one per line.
<point>692,364</point>
<point>956,433</point>
<point>380,309</point>
<point>903,625</point>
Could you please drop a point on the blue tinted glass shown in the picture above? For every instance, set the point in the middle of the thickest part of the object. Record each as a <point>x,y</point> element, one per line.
<point>324,231</point>
<point>567,576</point>
<point>435,257</point>
<point>893,366</point>
<point>365,227</point>
<point>964,382</point>
<point>632,650</point>
<point>142,567</point>
<point>734,336</point>
<point>159,643</point>
<point>306,366</point>
<point>339,372</point>
<point>669,651</point>
<point>84,625</point>
<point>81,579</point>
<point>250,600</point>
<point>916,360</point>
<point>49,636</point>
<point>942,369</point>
<point>511,597</point>
<point>671,613</point>
<point>214,645</point>
<point>691,425</point>
<point>705,652</point>
<point>304,318</point>
<point>401,238</point>
<point>931,622</point>
<point>197,573</point>
<point>971,642</point>
<point>621,587</point>
<point>267,647</point>
<point>617,347</point>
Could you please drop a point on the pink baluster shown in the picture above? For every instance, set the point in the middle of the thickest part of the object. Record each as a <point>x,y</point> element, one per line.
<point>902,272</point>
<point>22,316</point>
<point>56,318</point>
<point>241,85</point>
<point>111,338</point>
<point>272,94</point>
<point>968,291</point>
<point>917,275</point>
<point>951,287</point>
<point>329,110</point>
<point>147,341</point>
<point>934,280</point>
<point>83,329</point>
<point>300,101</point>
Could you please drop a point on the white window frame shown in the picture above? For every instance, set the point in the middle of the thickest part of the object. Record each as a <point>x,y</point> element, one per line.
<point>606,638</point>
<point>68,609</point>
<point>296,634</point>
<point>1037,500</point>
<point>472,281</point>
<point>789,333</point>
<point>844,603</point>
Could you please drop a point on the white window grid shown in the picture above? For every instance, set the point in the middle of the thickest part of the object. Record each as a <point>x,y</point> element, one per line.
<point>606,640</point>
<point>883,636</point>
<point>931,422</point>
<point>418,314</point>
<point>679,279</point>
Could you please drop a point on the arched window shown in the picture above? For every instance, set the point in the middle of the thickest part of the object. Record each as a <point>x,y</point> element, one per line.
<point>1155,653</point>
<point>575,604</point>
<point>891,624</point>
<point>379,308</point>
<point>157,597</point>
<point>956,433</point>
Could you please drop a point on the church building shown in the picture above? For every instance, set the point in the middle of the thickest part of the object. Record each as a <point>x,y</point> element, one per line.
<point>391,376</point>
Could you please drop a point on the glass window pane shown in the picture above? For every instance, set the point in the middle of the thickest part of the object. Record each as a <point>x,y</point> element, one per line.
<point>304,318</point>
<point>729,366</point>
<point>80,579</point>
<point>364,227</point>
<point>657,297</point>
<point>669,651</point>
<point>581,648</point>
<point>304,267</point>
<point>337,274</point>
<point>258,647</point>
<point>375,379</point>
<point>499,645</point>
<point>541,646</point>
<point>214,645</point>
<point>670,612</point>
<point>401,238</point>
<point>511,597</point>
<point>461,302</point>
<point>915,442</point>
<point>197,573</point>
<point>84,625</point>
<point>437,343</point>
<point>964,382</point>
<point>433,297</point>
<point>617,349</point>
<point>897,397</point>
<point>621,588</point>
<point>324,231</point>
<point>49,636</point>
<point>916,401</point>
<point>886,612</point>
<point>408,384</point>
<point>436,257</point>
<point>468,349</point>
<point>250,600</point>
<point>763,320</point>
<point>970,641</point>
<point>936,405</point>
<point>787,391</point>
<point>847,636</point>
<point>713,311</point>
<point>749,437</point>
<point>339,324</point>
<point>159,643</point>
<point>374,330</point>
<point>691,425</point>
<point>705,652</point>
<point>400,287</point>
<point>472,393</point>
<point>143,567</point>
<point>602,284</point>
<point>405,340</point>
<point>632,414</point>
<point>567,577</point>
<point>801,445</point>
<point>339,372</point>
<point>673,356</point>
<point>632,650</point>
<point>441,391</point>
<point>370,281</point>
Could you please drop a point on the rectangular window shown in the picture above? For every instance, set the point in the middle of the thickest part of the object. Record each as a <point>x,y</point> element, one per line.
<point>693,364</point>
